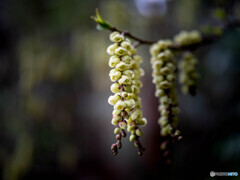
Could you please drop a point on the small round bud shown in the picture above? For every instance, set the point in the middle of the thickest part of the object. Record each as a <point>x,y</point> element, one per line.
<point>159,93</point>
<point>129,73</point>
<point>116,120</point>
<point>130,103</point>
<point>118,136</point>
<point>116,37</point>
<point>165,71</point>
<point>113,61</point>
<point>122,66</point>
<point>115,75</point>
<point>120,105</point>
<point>117,130</point>
<point>132,138</point>
<point>139,132</point>
<point>121,51</point>
<point>115,88</point>
<point>164,100</point>
<point>124,80</point>
<point>113,99</point>
<point>171,78</point>
<point>126,59</point>
<point>122,125</point>
<point>126,45</point>
<point>131,126</point>
<point>111,49</point>
<point>165,85</point>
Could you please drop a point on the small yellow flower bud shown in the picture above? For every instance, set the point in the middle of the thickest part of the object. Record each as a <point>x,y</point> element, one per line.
<point>121,51</point>
<point>135,114</point>
<point>158,79</point>
<point>137,58</point>
<point>165,85</point>
<point>165,71</point>
<point>127,59</point>
<point>129,73</point>
<point>122,125</point>
<point>164,113</point>
<point>157,64</point>
<point>116,120</point>
<point>116,37</point>
<point>144,121</point>
<point>114,75</point>
<point>132,138</point>
<point>162,106</point>
<point>164,131</point>
<point>135,89</point>
<point>130,103</point>
<point>124,80</point>
<point>113,61</point>
<point>117,130</point>
<point>171,77</point>
<point>113,99</point>
<point>127,88</point>
<point>122,66</point>
<point>163,121</point>
<point>115,88</point>
<point>116,112</point>
<point>131,127</point>
<point>164,100</point>
<point>129,96</point>
<point>132,51</point>
<point>111,49</point>
<point>126,45</point>
<point>139,132</point>
<point>159,93</point>
<point>137,83</point>
<point>120,105</point>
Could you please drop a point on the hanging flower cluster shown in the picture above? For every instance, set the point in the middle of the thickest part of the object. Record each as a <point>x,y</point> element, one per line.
<point>189,76</point>
<point>164,78</point>
<point>187,38</point>
<point>126,75</point>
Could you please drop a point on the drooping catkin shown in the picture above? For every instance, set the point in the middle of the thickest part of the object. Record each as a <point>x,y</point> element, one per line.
<point>126,102</point>
<point>188,75</point>
<point>164,78</point>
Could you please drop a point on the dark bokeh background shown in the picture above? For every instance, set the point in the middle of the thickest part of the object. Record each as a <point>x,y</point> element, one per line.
<point>54,86</point>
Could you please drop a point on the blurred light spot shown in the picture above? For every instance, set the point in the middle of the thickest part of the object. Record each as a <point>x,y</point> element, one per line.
<point>152,7</point>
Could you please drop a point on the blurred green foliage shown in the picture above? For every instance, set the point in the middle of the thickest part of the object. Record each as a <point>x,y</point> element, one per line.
<point>55,121</point>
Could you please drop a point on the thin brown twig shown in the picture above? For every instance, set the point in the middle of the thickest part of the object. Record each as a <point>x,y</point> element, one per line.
<point>207,39</point>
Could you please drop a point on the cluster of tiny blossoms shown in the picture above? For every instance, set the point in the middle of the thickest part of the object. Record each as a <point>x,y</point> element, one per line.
<point>189,76</point>
<point>164,78</point>
<point>187,38</point>
<point>126,75</point>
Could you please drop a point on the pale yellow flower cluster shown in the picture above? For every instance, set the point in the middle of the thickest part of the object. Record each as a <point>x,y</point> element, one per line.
<point>125,74</point>
<point>188,76</point>
<point>187,38</point>
<point>164,78</point>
